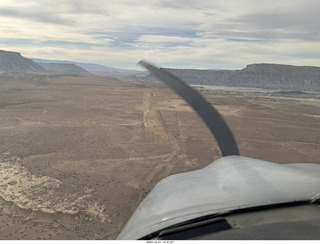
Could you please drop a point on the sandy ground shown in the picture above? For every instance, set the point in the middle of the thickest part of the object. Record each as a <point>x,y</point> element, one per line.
<point>78,154</point>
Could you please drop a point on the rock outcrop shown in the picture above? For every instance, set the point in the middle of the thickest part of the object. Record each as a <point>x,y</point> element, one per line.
<point>14,62</point>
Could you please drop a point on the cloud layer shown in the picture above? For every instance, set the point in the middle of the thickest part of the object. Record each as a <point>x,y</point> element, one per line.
<point>180,33</point>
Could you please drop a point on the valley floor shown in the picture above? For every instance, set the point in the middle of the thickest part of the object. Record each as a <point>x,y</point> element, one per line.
<point>78,154</point>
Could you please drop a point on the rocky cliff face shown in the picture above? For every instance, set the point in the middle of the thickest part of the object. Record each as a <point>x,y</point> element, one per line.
<point>269,76</point>
<point>277,76</point>
<point>14,62</point>
<point>64,68</point>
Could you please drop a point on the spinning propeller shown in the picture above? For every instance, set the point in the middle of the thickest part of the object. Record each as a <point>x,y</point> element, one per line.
<point>208,114</point>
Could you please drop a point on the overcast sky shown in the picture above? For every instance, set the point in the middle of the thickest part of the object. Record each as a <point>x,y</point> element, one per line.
<point>173,33</point>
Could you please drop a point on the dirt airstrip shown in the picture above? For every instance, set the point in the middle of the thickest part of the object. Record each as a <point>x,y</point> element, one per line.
<point>78,154</point>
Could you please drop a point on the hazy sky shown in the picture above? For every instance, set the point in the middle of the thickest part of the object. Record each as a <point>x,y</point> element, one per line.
<point>177,33</point>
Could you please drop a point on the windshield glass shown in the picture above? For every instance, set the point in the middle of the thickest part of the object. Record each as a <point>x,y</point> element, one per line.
<point>86,133</point>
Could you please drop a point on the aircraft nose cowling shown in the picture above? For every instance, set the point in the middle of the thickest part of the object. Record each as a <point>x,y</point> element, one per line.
<point>229,183</point>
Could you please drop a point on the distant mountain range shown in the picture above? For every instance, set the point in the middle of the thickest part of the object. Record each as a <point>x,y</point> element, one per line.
<point>87,66</point>
<point>269,76</point>
<point>96,69</point>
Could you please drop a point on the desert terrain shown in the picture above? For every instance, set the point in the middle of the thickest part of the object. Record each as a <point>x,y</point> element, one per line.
<point>78,154</point>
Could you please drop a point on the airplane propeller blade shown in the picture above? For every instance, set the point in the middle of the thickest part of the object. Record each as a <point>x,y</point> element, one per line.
<point>208,114</point>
